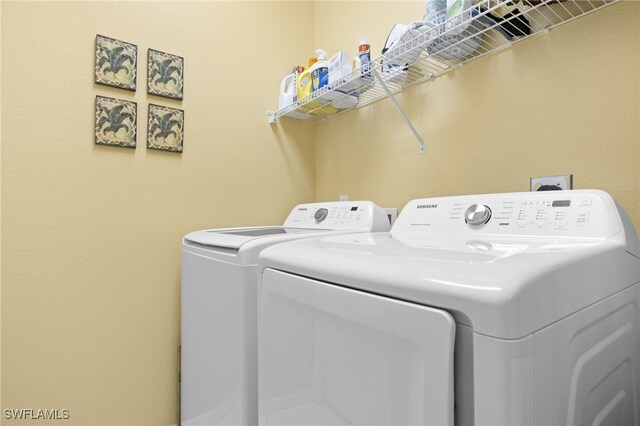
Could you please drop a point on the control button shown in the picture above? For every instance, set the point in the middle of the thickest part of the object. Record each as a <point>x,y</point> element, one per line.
<point>585,203</point>
<point>522,223</point>
<point>541,222</point>
<point>477,214</point>
<point>583,218</point>
<point>561,223</point>
<point>321,214</point>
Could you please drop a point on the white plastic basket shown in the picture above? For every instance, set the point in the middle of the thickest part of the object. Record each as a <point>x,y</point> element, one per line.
<point>453,46</point>
<point>452,37</point>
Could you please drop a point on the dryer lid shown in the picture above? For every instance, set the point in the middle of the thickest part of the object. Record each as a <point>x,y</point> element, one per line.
<point>501,288</point>
<point>508,277</point>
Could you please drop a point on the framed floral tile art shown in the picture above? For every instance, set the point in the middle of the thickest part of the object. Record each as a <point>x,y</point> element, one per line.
<point>165,131</point>
<point>165,74</point>
<point>116,122</point>
<point>116,63</point>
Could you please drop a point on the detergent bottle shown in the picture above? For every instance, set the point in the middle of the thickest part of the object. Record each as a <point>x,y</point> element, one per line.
<point>303,86</point>
<point>288,89</point>
<point>320,70</point>
<point>364,53</point>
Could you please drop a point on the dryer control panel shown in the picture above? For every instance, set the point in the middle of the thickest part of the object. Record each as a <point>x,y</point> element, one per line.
<point>339,215</point>
<point>578,213</point>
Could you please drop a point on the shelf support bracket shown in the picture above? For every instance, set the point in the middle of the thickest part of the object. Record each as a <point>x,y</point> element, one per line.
<point>271,116</point>
<point>399,108</point>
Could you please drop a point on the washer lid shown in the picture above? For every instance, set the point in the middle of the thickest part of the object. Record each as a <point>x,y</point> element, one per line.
<point>502,287</point>
<point>304,219</point>
<point>234,238</point>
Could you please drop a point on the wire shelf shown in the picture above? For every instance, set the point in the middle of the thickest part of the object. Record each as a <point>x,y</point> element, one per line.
<point>432,52</point>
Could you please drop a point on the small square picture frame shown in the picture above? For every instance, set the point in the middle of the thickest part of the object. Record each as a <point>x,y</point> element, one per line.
<point>116,63</point>
<point>165,130</point>
<point>116,122</point>
<point>165,74</point>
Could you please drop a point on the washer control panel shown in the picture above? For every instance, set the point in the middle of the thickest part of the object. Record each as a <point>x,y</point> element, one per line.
<point>570,213</point>
<point>332,215</point>
<point>558,214</point>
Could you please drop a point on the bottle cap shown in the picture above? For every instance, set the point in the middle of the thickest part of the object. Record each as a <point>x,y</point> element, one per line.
<point>321,54</point>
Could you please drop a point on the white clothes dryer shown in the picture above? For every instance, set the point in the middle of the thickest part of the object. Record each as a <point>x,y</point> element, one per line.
<point>218,306</point>
<point>496,309</point>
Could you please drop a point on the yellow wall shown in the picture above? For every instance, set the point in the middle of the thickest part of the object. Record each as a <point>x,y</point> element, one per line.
<point>91,234</point>
<point>563,102</point>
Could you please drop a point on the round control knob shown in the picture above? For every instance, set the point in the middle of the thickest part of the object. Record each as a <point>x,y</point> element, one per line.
<point>321,214</point>
<point>477,214</point>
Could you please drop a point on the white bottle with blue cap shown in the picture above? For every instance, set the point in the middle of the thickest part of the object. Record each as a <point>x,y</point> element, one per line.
<point>320,71</point>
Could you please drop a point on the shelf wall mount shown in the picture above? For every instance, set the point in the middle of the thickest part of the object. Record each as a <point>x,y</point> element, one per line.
<point>380,81</point>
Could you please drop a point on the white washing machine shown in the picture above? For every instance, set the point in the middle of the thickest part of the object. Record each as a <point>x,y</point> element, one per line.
<point>504,309</point>
<point>219,273</point>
